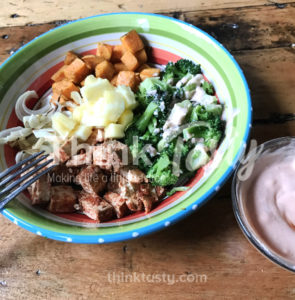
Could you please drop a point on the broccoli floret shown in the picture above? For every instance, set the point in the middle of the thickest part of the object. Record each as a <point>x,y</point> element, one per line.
<point>143,121</point>
<point>161,172</point>
<point>175,71</point>
<point>208,87</point>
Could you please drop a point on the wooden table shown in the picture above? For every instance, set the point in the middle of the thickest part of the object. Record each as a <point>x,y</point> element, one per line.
<point>261,36</point>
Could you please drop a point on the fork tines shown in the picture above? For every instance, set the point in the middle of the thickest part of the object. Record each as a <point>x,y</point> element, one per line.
<point>13,185</point>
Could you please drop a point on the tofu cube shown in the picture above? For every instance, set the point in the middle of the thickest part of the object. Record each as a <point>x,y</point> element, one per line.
<point>92,180</point>
<point>59,75</point>
<point>118,51</point>
<point>95,207</point>
<point>65,88</point>
<point>118,203</point>
<point>150,72</point>
<point>76,71</point>
<point>120,67</point>
<point>141,56</point>
<point>63,199</point>
<point>127,78</point>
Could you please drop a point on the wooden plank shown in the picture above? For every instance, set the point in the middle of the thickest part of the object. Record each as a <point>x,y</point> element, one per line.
<point>207,243</point>
<point>236,28</point>
<point>17,12</point>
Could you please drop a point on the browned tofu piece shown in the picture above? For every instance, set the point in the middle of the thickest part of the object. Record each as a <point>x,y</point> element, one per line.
<point>59,75</point>
<point>95,207</point>
<point>133,174</point>
<point>64,87</point>
<point>120,67</point>
<point>141,56</point>
<point>160,191</point>
<point>130,61</point>
<point>40,191</point>
<point>118,51</point>
<point>118,203</point>
<point>61,175</point>
<point>104,50</point>
<point>97,136</point>
<point>80,160</point>
<point>92,180</point>
<point>132,41</point>
<point>111,155</point>
<point>127,78</point>
<point>105,70</point>
<point>63,199</point>
<point>151,72</point>
<point>114,80</point>
<point>70,57</point>
<point>76,71</point>
<point>92,61</point>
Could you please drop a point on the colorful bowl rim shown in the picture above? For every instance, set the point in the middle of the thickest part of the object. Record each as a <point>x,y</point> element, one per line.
<point>117,237</point>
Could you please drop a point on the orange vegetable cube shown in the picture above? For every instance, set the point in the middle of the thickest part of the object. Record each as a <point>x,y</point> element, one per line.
<point>105,70</point>
<point>130,61</point>
<point>104,50</point>
<point>132,41</point>
<point>141,56</point>
<point>114,80</point>
<point>92,61</point>
<point>120,67</point>
<point>64,87</point>
<point>118,52</point>
<point>70,57</point>
<point>76,71</point>
<point>127,78</point>
<point>150,72</point>
<point>59,75</point>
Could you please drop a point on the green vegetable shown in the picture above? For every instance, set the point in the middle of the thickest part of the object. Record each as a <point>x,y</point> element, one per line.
<point>177,189</point>
<point>143,121</point>
<point>161,172</point>
<point>197,158</point>
<point>208,87</point>
<point>175,71</point>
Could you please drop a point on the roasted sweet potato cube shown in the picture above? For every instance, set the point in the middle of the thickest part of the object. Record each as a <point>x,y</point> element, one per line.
<point>130,61</point>
<point>142,67</point>
<point>127,78</point>
<point>151,72</point>
<point>63,199</point>
<point>92,61</point>
<point>76,71</point>
<point>70,57</point>
<point>64,87</point>
<point>118,51</point>
<point>132,41</point>
<point>59,75</point>
<point>120,67</point>
<point>104,50</point>
<point>105,70</point>
<point>114,80</point>
<point>141,56</point>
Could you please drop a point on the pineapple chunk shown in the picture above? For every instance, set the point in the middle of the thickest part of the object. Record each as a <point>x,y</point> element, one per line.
<point>126,118</point>
<point>62,124</point>
<point>94,120</point>
<point>128,96</point>
<point>82,132</point>
<point>110,107</point>
<point>114,131</point>
<point>79,112</point>
<point>92,92</point>
<point>90,79</point>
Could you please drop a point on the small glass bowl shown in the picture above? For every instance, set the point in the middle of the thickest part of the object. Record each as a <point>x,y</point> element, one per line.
<point>238,207</point>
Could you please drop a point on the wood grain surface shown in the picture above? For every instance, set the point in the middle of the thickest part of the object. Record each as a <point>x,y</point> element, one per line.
<point>261,36</point>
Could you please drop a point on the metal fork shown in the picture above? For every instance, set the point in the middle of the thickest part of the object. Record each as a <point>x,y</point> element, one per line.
<point>10,184</point>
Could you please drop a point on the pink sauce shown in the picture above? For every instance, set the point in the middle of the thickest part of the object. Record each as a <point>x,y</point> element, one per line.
<point>269,201</point>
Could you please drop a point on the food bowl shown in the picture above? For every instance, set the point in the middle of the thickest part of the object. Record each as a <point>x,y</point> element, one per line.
<point>249,219</point>
<point>31,67</point>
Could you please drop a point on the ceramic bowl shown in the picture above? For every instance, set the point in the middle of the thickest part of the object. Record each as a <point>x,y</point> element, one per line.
<point>31,67</point>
